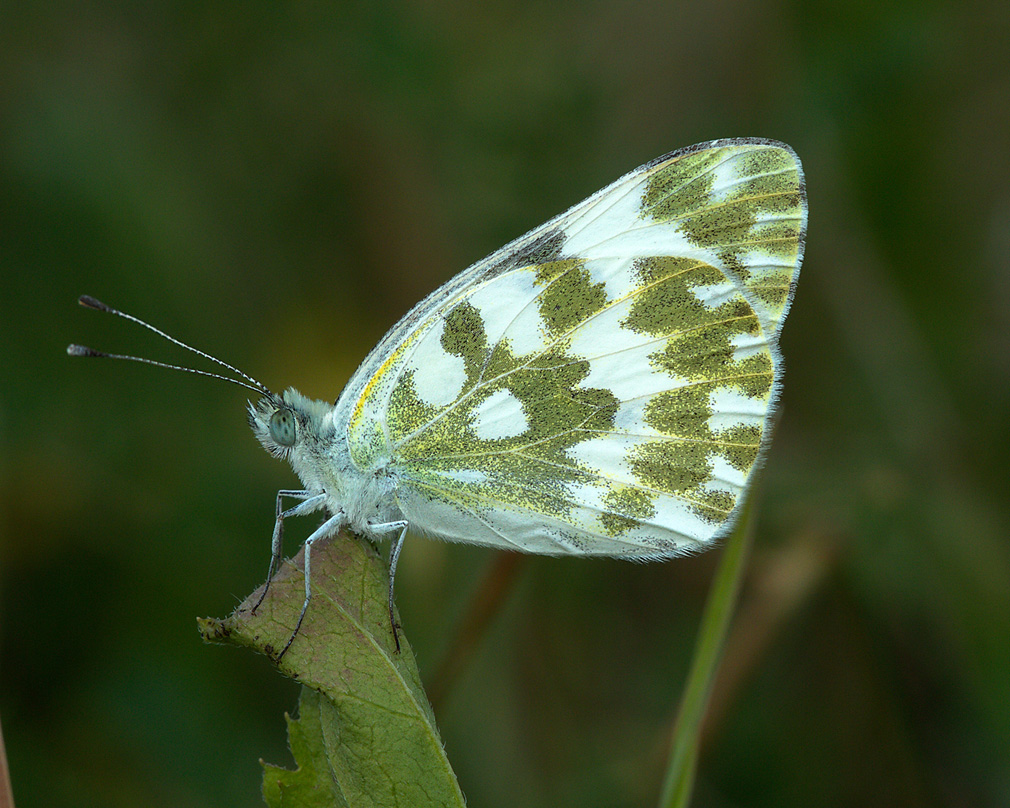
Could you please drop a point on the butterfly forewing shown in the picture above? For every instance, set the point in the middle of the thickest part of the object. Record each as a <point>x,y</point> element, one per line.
<point>604,384</point>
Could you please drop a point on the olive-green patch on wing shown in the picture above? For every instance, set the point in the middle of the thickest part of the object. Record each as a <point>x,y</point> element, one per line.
<point>625,506</point>
<point>550,398</point>
<point>746,203</point>
<point>368,420</point>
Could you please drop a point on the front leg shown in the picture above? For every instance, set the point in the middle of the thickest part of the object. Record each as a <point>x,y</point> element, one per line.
<point>331,525</point>
<point>310,502</point>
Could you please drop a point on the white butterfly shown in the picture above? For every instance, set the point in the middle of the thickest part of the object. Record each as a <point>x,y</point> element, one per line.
<point>603,385</point>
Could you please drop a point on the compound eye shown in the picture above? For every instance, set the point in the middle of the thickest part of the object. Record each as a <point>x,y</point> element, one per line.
<point>282,427</point>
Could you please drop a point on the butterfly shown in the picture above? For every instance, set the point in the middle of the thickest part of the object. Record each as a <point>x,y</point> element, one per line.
<point>603,385</point>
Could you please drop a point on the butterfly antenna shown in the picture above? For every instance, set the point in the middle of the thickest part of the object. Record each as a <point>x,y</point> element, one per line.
<point>79,350</point>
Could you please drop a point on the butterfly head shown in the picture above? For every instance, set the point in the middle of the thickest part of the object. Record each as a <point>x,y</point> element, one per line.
<point>291,425</point>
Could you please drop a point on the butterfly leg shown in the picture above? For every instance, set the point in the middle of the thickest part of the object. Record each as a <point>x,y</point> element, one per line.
<point>331,525</point>
<point>394,557</point>
<point>310,503</point>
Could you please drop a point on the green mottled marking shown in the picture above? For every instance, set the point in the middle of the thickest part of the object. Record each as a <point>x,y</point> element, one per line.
<point>765,161</point>
<point>551,270</point>
<point>683,186</point>
<point>367,432</point>
<point>369,441</point>
<point>708,221</point>
<point>753,376</point>
<point>682,468</point>
<point>759,216</point>
<point>406,412</point>
<point>713,506</point>
<point>685,411</point>
<point>531,470</point>
<point>464,336</point>
<point>571,297</point>
<point>666,304</point>
<point>740,445</point>
<point>628,506</point>
<point>703,353</point>
<point>671,465</point>
<point>774,290</point>
<point>701,338</point>
<point>682,463</point>
<point>682,413</point>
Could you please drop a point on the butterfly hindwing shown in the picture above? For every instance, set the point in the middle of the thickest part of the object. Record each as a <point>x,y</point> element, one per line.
<point>604,384</point>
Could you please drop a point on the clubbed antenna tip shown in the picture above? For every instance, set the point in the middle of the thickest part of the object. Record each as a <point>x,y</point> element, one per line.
<point>90,302</point>
<point>81,350</point>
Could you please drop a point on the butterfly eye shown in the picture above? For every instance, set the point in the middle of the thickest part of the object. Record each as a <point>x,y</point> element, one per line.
<point>282,428</point>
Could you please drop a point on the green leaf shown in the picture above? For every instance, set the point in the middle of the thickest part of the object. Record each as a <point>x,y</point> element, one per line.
<point>310,784</point>
<point>365,734</point>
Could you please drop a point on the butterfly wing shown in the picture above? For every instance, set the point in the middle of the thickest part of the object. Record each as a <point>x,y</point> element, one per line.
<point>605,384</point>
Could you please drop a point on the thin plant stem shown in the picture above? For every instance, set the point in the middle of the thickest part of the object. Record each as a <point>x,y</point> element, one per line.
<point>680,773</point>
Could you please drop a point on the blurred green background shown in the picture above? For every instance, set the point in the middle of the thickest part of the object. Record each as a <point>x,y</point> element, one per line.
<point>278,183</point>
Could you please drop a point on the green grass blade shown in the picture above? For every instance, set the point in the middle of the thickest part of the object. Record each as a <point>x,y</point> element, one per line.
<point>679,782</point>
